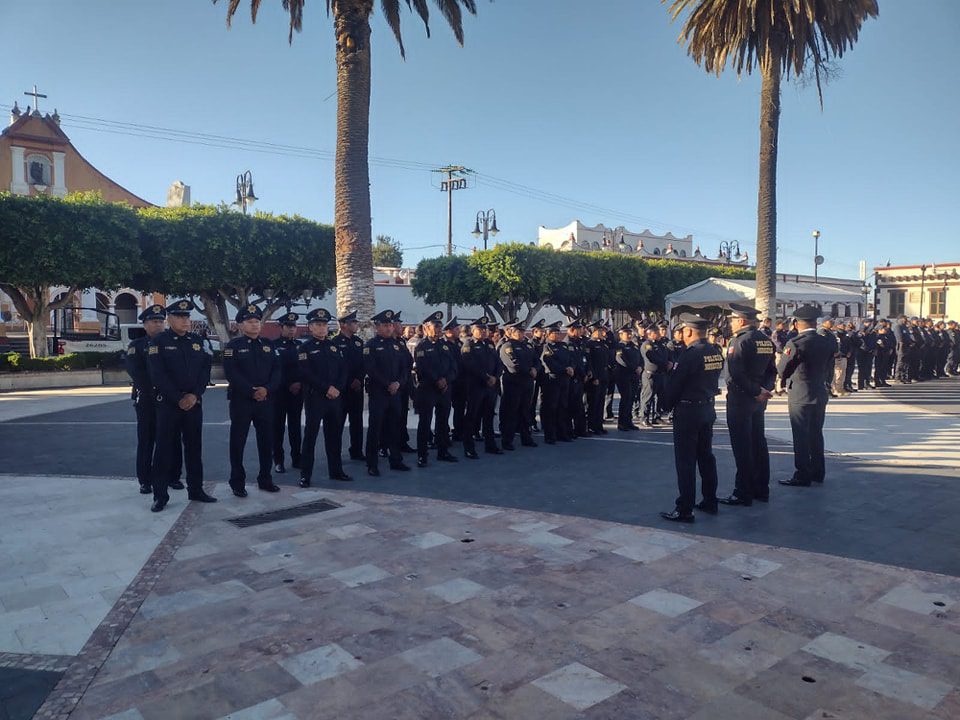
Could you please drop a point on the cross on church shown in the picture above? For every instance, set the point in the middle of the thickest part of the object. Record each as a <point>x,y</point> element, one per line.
<point>36,97</point>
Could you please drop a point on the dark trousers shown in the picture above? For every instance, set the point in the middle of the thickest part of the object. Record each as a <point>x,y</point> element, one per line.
<point>527,409</point>
<point>404,395</point>
<point>384,419</point>
<point>745,418</point>
<point>147,458</point>
<point>430,403</point>
<point>806,424</point>
<point>243,412</point>
<point>625,386</point>
<point>575,408</point>
<point>693,449</point>
<point>953,359</point>
<point>176,426</point>
<point>608,410</point>
<point>353,411</point>
<point>903,363</point>
<point>550,408</point>
<point>848,377</point>
<point>864,363</point>
<point>287,413</point>
<point>514,409</point>
<point>320,409</point>
<point>648,396</point>
<point>536,390</point>
<point>596,394</point>
<point>458,400</point>
<point>481,404</point>
<point>881,369</point>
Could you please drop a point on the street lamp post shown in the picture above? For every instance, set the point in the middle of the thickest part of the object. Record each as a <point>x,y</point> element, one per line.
<point>245,194</point>
<point>817,260</point>
<point>486,225</point>
<point>923,277</point>
<point>728,249</point>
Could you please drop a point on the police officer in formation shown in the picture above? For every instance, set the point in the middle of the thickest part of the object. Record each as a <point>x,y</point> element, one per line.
<point>656,364</point>
<point>386,367</point>
<point>577,351</point>
<point>288,399</point>
<point>253,373</point>
<point>437,366</point>
<point>351,347</point>
<point>519,375</point>
<point>627,369</point>
<point>555,387</point>
<point>599,367</point>
<point>458,392</point>
<point>481,371</point>
<point>179,372</point>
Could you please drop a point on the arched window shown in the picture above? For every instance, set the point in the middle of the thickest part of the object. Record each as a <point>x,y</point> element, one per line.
<point>656,251</point>
<point>39,170</point>
<point>683,253</point>
<point>125,305</point>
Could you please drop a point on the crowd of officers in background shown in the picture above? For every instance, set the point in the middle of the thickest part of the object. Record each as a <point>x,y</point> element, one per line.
<point>457,376</point>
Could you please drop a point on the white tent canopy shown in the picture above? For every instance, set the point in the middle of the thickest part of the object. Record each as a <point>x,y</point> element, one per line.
<point>721,292</point>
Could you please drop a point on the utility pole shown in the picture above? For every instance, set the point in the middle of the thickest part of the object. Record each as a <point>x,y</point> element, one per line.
<point>455,180</point>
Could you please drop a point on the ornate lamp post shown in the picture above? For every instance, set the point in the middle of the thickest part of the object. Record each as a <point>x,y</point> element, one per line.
<point>817,258</point>
<point>245,194</point>
<point>486,225</point>
<point>728,249</point>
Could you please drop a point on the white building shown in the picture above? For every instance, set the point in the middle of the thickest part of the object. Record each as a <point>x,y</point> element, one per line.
<point>918,290</point>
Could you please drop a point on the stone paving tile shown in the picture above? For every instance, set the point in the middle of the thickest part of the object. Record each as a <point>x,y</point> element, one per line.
<point>909,597</point>
<point>429,540</point>
<point>440,656</point>
<point>749,565</point>
<point>905,686</point>
<point>579,686</point>
<point>457,590</point>
<point>320,663</point>
<point>666,603</point>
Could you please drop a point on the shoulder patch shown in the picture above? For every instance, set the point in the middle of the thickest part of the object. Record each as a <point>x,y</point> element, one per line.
<point>132,350</point>
<point>153,350</point>
<point>228,352</point>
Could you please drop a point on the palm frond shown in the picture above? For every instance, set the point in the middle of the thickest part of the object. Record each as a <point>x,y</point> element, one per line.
<point>391,13</point>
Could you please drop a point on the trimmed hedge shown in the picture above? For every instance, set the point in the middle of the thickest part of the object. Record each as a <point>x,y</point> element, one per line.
<point>17,362</point>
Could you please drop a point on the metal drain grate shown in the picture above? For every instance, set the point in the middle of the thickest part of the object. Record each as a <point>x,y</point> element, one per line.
<point>262,518</point>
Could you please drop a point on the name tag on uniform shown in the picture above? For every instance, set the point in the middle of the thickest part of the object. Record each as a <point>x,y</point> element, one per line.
<point>153,350</point>
<point>228,352</point>
<point>301,356</point>
<point>713,362</point>
<point>266,348</point>
<point>764,347</point>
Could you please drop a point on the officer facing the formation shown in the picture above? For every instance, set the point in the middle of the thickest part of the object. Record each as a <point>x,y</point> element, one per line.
<point>519,374</point>
<point>253,373</point>
<point>752,374</point>
<point>144,399</point>
<point>386,372</point>
<point>557,371</point>
<point>436,365</point>
<point>599,359</point>
<point>690,391</point>
<point>351,347</point>
<point>656,363</point>
<point>627,370</point>
<point>805,365</point>
<point>481,370</point>
<point>179,371</point>
<point>324,371</point>
<point>288,400</point>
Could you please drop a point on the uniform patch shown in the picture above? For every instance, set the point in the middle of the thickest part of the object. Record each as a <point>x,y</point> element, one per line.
<point>228,352</point>
<point>301,356</point>
<point>787,351</point>
<point>153,350</point>
<point>466,349</point>
<point>333,347</point>
<point>366,351</point>
<point>131,351</point>
<point>445,347</point>
<point>420,353</point>
<point>195,346</point>
<point>266,348</point>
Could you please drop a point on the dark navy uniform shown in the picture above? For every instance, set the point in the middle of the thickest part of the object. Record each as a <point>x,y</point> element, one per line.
<point>322,367</point>
<point>655,358</point>
<point>384,364</point>
<point>884,349</point>
<point>288,400</point>
<point>480,363</point>
<point>352,349</point>
<point>752,369</point>
<point>251,363</point>
<point>953,349</point>
<point>690,391</point>
<point>577,351</point>
<point>536,345</point>
<point>805,365</point>
<point>436,365</point>
<point>144,404</point>
<point>626,372</point>
<point>458,392</point>
<point>179,368</point>
<point>866,351</point>
<point>599,359</point>
<point>554,390</point>
<point>517,359</point>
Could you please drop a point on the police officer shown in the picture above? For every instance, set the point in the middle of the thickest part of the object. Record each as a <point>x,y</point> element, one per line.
<point>805,365</point>
<point>324,370</point>
<point>578,359</point>
<point>599,359</point>
<point>953,349</point>
<point>537,340</point>
<point>436,365</point>
<point>253,373</point>
<point>866,352</point>
<point>144,399</point>
<point>554,389</point>
<point>386,369</point>
<point>481,369</point>
<point>838,364</point>
<point>458,389</point>
<point>179,371</point>
<point>904,341</point>
<point>351,347</point>
<point>752,374</point>
<point>690,391</point>
<point>626,372</point>
<point>288,400</point>
<point>656,363</point>
<point>519,374</point>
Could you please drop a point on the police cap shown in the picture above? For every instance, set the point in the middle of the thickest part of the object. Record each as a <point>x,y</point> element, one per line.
<point>807,313</point>
<point>349,317</point>
<point>743,311</point>
<point>396,317</point>
<point>553,327</point>
<point>249,312</point>
<point>289,318</point>
<point>181,308</point>
<point>626,327</point>
<point>318,315</point>
<point>575,325</point>
<point>481,321</point>
<point>154,312</point>
<point>383,317</point>
<point>434,317</point>
<point>514,325</point>
<point>453,324</point>
<point>538,325</point>
<point>694,321</point>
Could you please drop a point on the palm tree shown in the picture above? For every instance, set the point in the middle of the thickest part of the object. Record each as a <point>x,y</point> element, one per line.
<point>779,37</point>
<point>351,23</point>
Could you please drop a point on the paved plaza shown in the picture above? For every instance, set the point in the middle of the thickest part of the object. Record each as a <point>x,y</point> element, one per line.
<point>540,584</point>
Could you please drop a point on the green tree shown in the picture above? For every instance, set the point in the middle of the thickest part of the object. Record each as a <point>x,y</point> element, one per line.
<point>76,243</point>
<point>226,259</point>
<point>351,24</point>
<point>387,252</point>
<point>777,37</point>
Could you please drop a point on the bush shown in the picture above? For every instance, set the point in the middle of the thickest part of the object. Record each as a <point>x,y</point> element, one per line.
<point>16,362</point>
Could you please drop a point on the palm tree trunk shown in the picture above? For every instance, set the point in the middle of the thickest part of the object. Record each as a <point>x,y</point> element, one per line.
<point>766,302</point>
<point>352,205</point>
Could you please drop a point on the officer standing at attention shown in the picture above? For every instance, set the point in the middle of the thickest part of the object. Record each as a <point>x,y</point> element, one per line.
<point>288,400</point>
<point>180,371</point>
<point>519,373</point>
<point>325,373</point>
<point>351,347</point>
<point>436,366</point>
<point>537,340</point>
<point>144,395</point>
<point>406,390</point>
<point>481,369</point>
<point>655,365</point>
<point>626,373</point>
<point>805,365</point>
<point>458,390</point>
<point>253,373</point>
<point>385,367</point>
<point>599,359</point>
<point>557,371</point>
<point>578,360</point>
<point>752,375</point>
<point>690,392</point>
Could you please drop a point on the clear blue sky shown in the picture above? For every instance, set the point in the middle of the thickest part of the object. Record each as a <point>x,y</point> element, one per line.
<point>591,101</point>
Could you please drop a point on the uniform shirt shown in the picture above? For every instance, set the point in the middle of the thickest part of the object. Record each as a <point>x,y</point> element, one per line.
<point>435,361</point>
<point>750,363</point>
<point>352,350</point>
<point>627,357</point>
<point>517,359</point>
<point>384,363</point>
<point>479,359</point>
<point>322,365</point>
<point>136,367</point>
<point>675,348</point>
<point>554,358</point>
<point>807,363</point>
<point>902,334</point>
<point>578,357</point>
<point>780,338</point>
<point>178,365</point>
<point>696,378</point>
<point>599,358</point>
<point>406,358</point>
<point>868,342</point>
<point>288,352</point>
<point>654,357</point>
<point>250,363</point>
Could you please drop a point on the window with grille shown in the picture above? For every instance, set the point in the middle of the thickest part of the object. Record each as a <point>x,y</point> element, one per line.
<point>938,301</point>
<point>898,303</point>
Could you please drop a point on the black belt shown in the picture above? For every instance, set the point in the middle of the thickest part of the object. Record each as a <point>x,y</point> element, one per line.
<point>696,402</point>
